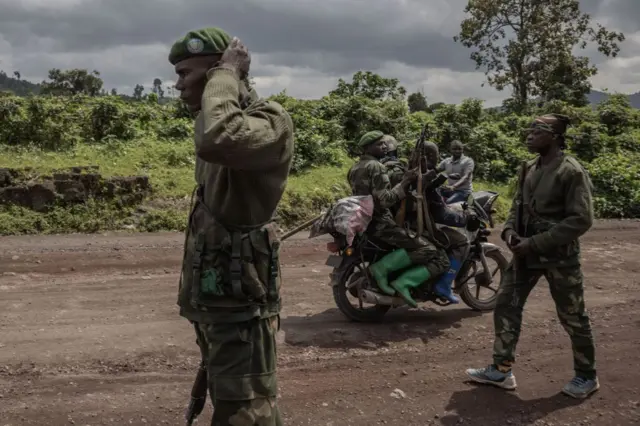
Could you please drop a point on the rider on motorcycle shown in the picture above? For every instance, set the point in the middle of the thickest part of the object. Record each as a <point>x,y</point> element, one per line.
<point>369,177</point>
<point>440,211</point>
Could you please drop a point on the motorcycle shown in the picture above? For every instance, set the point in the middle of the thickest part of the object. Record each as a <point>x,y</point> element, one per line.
<point>350,276</point>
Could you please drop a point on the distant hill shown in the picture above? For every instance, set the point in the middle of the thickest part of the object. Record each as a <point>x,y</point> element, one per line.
<point>17,86</point>
<point>595,97</point>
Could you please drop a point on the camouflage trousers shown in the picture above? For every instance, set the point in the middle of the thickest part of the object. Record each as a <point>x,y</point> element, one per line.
<point>241,367</point>
<point>421,251</point>
<point>566,285</point>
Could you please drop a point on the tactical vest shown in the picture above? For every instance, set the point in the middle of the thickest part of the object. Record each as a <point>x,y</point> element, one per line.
<point>230,267</point>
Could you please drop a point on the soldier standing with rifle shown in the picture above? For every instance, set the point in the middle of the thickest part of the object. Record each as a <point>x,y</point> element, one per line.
<point>230,281</point>
<point>552,209</point>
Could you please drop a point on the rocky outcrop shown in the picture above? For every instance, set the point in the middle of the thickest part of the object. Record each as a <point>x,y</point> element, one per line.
<point>24,187</point>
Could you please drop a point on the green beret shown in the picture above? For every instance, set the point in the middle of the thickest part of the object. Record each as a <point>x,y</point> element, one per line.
<point>370,137</point>
<point>202,42</point>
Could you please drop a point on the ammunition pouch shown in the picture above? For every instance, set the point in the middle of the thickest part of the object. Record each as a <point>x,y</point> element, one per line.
<point>233,266</point>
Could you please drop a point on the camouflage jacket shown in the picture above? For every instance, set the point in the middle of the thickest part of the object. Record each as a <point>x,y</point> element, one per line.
<point>558,210</point>
<point>369,177</point>
<point>230,269</point>
<point>395,169</point>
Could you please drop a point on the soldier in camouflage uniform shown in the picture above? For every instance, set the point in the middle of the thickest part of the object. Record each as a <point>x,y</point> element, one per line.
<point>230,281</point>
<point>369,177</point>
<point>557,194</point>
<point>396,168</point>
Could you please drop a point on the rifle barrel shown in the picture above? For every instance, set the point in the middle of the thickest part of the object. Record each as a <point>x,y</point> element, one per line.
<point>300,227</point>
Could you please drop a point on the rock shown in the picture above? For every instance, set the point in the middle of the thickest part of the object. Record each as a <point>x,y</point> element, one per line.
<point>398,394</point>
<point>6,177</point>
<point>71,190</point>
<point>24,188</point>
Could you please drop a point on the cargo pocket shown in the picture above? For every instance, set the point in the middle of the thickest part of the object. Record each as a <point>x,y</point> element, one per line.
<point>210,271</point>
<point>266,251</point>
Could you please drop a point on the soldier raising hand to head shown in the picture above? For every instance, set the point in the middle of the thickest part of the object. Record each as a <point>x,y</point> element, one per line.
<point>230,281</point>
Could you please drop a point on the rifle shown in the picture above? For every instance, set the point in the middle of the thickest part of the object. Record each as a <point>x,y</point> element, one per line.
<point>199,389</point>
<point>300,227</point>
<point>422,211</point>
<point>198,394</point>
<point>519,226</point>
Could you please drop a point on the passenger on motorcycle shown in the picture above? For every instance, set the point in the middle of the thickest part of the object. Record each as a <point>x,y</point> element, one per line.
<point>396,168</point>
<point>369,177</point>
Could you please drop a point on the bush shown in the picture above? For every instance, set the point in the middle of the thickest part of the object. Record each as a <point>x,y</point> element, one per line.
<point>154,137</point>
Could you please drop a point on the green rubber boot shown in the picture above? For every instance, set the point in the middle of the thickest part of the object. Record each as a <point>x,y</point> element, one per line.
<point>394,261</point>
<point>413,278</point>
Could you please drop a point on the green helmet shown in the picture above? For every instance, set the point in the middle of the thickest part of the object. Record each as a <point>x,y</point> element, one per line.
<point>392,143</point>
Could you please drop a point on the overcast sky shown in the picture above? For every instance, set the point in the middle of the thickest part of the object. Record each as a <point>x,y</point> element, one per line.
<point>301,45</point>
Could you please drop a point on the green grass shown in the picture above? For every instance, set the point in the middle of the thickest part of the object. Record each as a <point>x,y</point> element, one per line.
<point>170,167</point>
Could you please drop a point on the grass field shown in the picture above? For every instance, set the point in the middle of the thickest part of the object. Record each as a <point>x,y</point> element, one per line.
<point>169,166</point>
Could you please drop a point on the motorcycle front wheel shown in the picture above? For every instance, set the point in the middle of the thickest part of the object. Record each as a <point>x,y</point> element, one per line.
<point>470,291</point>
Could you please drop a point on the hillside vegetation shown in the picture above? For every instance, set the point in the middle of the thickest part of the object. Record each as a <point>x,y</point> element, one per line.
<point>124,138</point>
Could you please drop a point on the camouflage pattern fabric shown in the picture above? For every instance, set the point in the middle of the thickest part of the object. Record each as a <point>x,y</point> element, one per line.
<point>558,210</point>
<point>348,216</point>
<point>420,250</point>
<point>567,290</point>
<point>369,177</point>
<point>395,169</point>
<point>231,277</point>
<point>243,157</point>
<point>241,367</point>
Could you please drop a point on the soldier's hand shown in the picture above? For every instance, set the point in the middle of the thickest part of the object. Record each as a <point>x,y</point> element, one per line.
<point>430,175</point>
<point>510,237</point>
<point>522,247</point>
<point>237,57</point>
<point>410,176</point>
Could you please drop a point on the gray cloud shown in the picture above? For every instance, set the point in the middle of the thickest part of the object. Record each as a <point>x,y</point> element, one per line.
<point>301,45</point>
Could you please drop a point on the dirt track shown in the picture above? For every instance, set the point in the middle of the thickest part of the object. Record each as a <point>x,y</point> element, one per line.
<point>90,335</point>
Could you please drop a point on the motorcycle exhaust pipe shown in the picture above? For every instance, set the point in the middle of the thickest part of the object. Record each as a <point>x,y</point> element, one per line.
<point>369,296</point>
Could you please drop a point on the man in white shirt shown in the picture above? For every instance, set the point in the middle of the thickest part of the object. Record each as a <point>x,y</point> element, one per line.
<point>459,170</point>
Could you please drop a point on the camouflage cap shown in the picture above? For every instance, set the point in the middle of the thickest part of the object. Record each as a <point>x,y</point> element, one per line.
<point>392,143</point>
<point>202,42</point>
<point>553,123</point>
<point>370,137</point>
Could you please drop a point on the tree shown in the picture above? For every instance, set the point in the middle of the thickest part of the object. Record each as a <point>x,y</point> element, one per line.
<point>370,85</point>
<point>435,107</point>
<point>157,88</point>
<point>137,91</point>
<point>72,82</point>
<point>16,74</point>
<point>114,92</point>
<point>525,43</point>
<point>566,79</point>
<point>417,102</point>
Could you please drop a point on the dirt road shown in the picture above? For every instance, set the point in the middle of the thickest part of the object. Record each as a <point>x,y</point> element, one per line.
<point>90,335</point>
